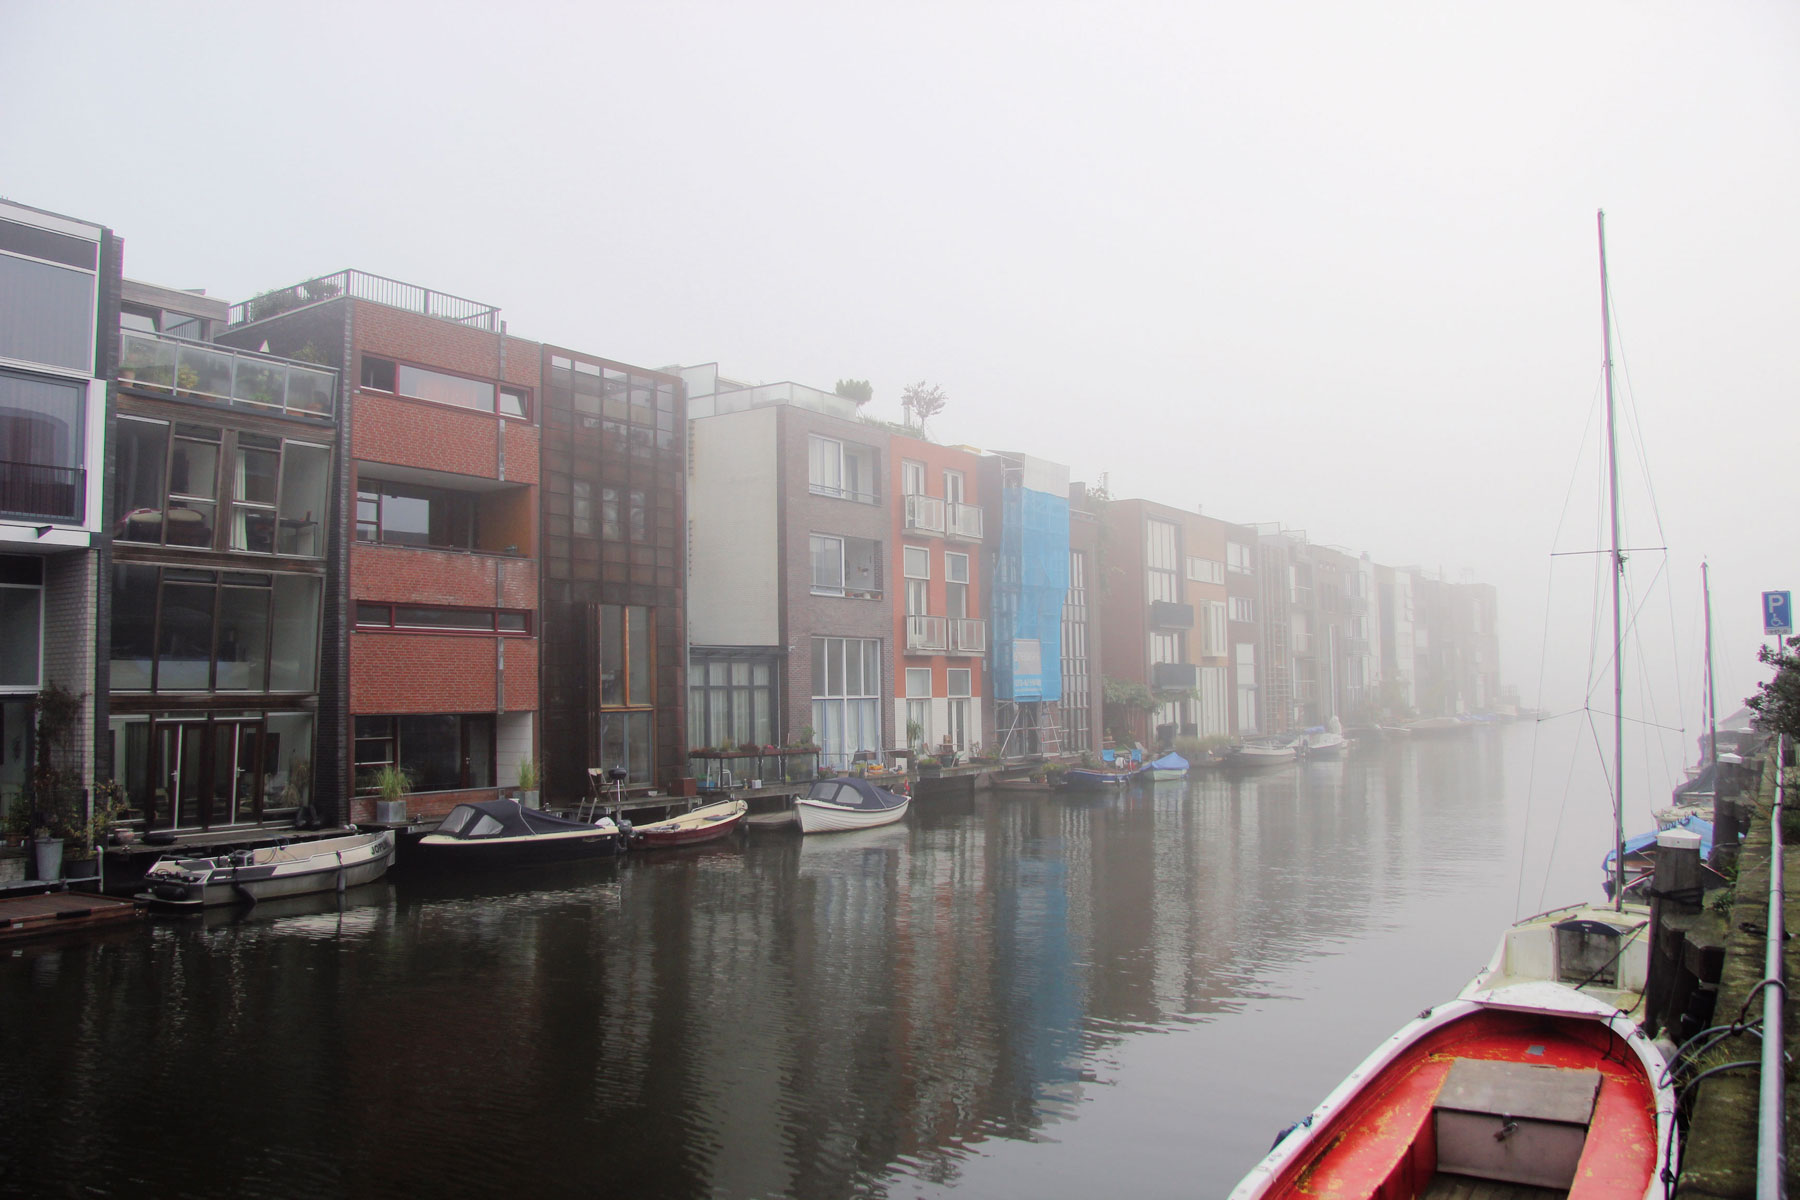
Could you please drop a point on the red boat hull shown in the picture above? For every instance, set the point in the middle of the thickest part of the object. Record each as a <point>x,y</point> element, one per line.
<point>650,839</point>
<point>1382,1144</point>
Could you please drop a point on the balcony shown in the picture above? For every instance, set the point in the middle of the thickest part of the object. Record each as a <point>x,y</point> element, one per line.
<point>968,635</point>
<point>360,285</point>
<point>1174,677</point>
<point>1165,615</point>
<point>204,371</point>
<point>38,492</point>
<point>924,514</point>
<point>927,634</point>
<point>964,522</point>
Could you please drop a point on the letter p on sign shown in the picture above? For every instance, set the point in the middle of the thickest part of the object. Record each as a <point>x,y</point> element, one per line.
<point>1778,612</point>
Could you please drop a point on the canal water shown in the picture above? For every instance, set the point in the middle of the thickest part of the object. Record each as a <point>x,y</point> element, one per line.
<point>1006,996</point>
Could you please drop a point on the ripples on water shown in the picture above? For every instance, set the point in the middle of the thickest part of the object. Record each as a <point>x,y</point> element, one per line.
<point>1006,996</point>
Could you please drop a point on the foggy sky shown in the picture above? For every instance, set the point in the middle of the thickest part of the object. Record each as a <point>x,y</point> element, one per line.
<point>1329,265</point>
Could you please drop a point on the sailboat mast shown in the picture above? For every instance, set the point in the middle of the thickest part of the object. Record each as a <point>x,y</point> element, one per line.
<point>1712,714</point>
<point>1618,573</point>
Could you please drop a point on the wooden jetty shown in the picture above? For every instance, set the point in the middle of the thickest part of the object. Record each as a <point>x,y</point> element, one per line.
<point>62,912</point>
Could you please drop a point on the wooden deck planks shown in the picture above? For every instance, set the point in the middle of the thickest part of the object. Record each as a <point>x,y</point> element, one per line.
<point>60,912</point>
<point>1463,1187</point>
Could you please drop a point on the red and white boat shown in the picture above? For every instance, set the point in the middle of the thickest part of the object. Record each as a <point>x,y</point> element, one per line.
<point>706,824</point>
<point>1535,1082</point>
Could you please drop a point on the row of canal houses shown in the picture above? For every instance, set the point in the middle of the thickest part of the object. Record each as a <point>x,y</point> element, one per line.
<point>272,546</point>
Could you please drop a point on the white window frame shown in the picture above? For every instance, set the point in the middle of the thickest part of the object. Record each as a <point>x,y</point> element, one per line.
<point>909,557</point>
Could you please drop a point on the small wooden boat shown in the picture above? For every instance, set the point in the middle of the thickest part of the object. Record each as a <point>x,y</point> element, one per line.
<point>833,805</point>
<point>1169,766</point>
<point>1255,756</point>
<point>1090,779</point>
<point>268,872</point>
<point>1023,783</point>
<point>706,824</point>
<point>1534,1077</point>
<point>502,833</point>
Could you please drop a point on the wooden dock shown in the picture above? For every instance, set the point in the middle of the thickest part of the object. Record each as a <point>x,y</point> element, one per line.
<point>62,912</point>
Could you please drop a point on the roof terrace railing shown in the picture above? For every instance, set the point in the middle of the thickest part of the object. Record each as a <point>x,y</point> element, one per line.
<point>222,375</point>
<point>378,289</point>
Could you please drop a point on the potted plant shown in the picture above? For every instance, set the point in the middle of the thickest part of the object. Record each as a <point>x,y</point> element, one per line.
<point>528,782</point>
<point>391,788</point>
<point>55,789</point>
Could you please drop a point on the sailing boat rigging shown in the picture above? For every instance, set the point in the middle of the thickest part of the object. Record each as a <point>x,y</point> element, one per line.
<point>1536,1075</point>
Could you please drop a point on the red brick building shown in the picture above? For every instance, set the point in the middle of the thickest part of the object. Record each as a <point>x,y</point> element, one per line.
<point>940,624</point>
<point>432,630</point>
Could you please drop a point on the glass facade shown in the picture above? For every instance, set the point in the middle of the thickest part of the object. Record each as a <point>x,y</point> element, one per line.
<point>613,514</point>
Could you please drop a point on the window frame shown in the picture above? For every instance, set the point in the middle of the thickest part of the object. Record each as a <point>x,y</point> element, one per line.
<point>500,387</point>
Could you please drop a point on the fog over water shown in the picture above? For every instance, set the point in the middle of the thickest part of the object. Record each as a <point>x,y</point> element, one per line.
<point>1327,265</point>
<point>1050,995</point>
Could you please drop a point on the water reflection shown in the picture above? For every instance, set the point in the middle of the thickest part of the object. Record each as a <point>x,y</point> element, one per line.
<point>1013,995</point>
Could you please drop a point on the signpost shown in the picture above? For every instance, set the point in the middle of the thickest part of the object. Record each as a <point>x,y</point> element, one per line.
<point>1778,613</point>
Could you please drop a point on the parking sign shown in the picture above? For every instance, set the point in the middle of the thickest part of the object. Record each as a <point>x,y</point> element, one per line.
<point>1778,612</point>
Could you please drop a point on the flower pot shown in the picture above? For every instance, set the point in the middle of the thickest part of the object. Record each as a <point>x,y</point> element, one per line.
<point>48,856</point>
<point>82,868</point>
<point>390,812</point>
<point>529,798</point>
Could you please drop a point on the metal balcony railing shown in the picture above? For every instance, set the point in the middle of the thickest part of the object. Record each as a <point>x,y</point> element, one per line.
<point>38,492</point>
<point>1167,615</point>
<point>964,522</point>
<point>924,514</point>
<point>968,635</point>
<point>206,371</point>
<point>927,633</point>
<point>1174,676</point>
<point>378,289</point>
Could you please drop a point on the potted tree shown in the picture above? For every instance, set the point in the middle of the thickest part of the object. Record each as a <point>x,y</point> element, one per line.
<point>55,789</point>
<point>528,782</point>
<point>391,788</point>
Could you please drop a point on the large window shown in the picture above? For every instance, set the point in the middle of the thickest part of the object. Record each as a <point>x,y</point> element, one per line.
<point>1243,608</point>
<point>21,622</point>
<point>171,488</point>
<point>1205,570</point>
<point>41,445</point>
<point>1246,687</point>
<point>1161,561</point>
<point>405,514</point>
<point>177,630</point>
<point>1238,558</point>
<point>1077,734</point>
<point>627,689</point>
<point>846,678</point>
<point>731,701</point>
<point>842,469</point>
<point>422,383</point>
<point>846,566</point>
<point>1212,629</point>
<point>47,289</point>
<point>439,752</point>
<point>918,706</point>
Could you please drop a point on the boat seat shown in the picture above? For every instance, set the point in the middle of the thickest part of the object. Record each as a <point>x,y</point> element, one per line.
<point>1515,1122</point>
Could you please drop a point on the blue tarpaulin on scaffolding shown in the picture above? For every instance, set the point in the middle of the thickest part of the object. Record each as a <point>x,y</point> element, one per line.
<point>1031,584</point>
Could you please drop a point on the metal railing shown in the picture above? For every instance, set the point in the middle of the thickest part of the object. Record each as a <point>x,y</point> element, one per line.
<point>1174,676</point>
<point>239,378</point>
<point>924,514</point>
<point>927,633</point>
<point>968,635</point>
<point>378,289</point>
<point>37,491</point>
<point>964,522</point>
<point>1168,614</point>
<point>1771,1145</point>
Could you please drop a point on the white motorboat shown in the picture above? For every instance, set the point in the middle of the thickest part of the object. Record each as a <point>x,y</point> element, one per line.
<point>1257,755</point>
<point>833,805</point>
<point>285,869</point>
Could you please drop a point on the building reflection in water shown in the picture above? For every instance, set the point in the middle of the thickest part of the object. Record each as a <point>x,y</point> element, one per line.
<point>809,1018</point>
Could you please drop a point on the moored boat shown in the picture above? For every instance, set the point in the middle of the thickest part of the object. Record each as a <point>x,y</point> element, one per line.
<point>1092,779</point>
<point>499,833</point>
<point>834,805</point>
<point>1534,1077</point>
<point>706,824</point>
<point>268,872</point>
<point>1258,755</point>
<point>1169,766</point>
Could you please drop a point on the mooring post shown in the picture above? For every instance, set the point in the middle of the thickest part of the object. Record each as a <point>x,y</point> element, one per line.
<point>1674,892</point>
